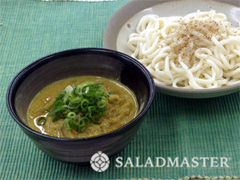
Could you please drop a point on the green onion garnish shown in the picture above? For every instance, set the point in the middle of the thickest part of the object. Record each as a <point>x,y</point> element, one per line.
<point>80,105</point>
<point>41,121</point>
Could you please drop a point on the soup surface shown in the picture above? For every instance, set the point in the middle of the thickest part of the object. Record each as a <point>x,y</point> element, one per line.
<point>121,108</point>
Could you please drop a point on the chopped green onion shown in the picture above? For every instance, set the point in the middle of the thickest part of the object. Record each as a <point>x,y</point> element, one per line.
<point>80,105</point>
<point>41,121</point>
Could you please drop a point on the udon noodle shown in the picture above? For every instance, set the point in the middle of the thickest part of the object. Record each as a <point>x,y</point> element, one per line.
<point>199,50</point>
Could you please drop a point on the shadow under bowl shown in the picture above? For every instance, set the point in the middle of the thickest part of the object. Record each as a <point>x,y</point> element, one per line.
<point>77,62</point>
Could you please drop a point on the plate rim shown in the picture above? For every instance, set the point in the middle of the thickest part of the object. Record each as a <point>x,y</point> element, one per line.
<point>178,92</point>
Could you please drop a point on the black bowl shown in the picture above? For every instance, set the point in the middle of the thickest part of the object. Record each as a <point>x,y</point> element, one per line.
<point>86,61</point>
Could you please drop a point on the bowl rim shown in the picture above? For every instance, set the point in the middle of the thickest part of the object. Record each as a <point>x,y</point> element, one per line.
<point>199,91</point>
<point>42,61</point>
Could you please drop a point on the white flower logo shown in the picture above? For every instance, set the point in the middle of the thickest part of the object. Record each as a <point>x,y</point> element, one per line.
<point>99,161</point>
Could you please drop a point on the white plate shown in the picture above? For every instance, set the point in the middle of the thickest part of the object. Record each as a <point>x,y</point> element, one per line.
<point>124,21</point>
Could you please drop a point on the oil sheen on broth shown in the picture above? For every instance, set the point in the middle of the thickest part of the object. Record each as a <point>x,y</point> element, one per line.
<point>121,109</point>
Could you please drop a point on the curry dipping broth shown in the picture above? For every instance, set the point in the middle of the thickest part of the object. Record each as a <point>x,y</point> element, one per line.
<point>121,108</point>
